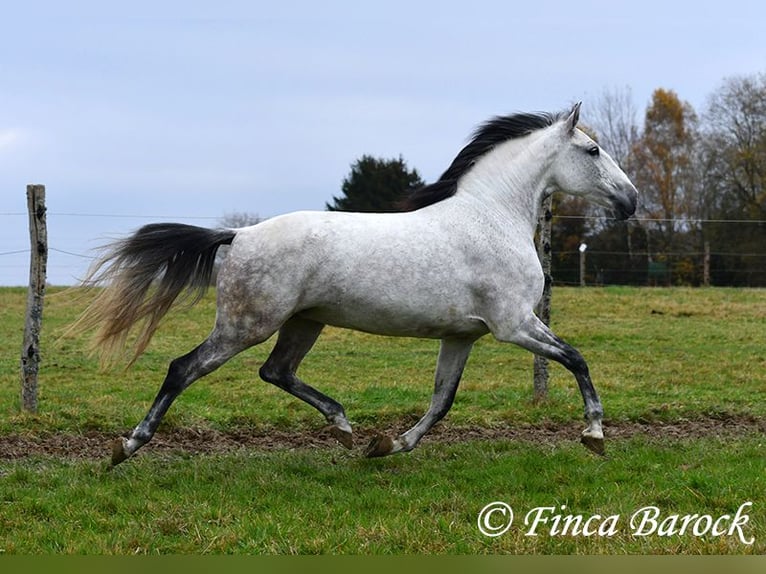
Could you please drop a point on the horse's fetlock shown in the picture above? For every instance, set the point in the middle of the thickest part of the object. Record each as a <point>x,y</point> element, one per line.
<point>594,414</point>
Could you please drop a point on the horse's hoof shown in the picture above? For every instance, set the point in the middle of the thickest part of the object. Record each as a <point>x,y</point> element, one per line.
<point>593,444</point>
<point>379,446</point>
<point>118,451</point>
<point>343,437</point>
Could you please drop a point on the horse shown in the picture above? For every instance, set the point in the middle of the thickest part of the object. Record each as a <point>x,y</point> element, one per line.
<point>455,263</point>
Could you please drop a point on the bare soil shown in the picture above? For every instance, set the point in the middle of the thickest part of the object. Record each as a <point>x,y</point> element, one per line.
<point>191,441</point>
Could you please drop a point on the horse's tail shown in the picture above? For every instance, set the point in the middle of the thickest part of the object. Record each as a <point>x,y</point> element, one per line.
<point>143,275</point>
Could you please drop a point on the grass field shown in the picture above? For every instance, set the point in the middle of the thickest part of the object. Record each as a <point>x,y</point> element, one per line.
<point>663,360</point>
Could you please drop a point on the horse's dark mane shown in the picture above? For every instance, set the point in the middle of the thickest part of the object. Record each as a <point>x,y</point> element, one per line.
<point>488,135</point>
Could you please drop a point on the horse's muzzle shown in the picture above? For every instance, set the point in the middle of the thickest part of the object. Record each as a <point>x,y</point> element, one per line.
<point>624,204</point>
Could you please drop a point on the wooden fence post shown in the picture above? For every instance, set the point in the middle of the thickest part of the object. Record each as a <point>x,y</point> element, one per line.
<point>543,310</point>
<point>30,350</point>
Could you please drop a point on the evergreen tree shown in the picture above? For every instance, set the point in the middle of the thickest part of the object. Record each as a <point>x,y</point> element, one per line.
<point>376,185</point>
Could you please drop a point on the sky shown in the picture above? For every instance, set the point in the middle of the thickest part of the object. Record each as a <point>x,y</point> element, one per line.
<point>188,111</point>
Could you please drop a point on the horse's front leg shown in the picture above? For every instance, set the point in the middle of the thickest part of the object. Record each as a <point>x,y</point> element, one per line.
<point>453,355</point>
<point>535,336</point>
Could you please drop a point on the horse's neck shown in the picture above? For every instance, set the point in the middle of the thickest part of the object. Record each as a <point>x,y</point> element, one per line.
<point>511,181</point>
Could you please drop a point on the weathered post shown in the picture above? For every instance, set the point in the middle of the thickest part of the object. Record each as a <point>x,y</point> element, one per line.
<point>30,349</point>
<point>543,310</point>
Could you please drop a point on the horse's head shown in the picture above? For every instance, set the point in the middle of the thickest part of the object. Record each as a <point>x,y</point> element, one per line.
<point>583,168</point>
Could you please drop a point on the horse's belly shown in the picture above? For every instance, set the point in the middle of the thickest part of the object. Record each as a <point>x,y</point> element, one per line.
<point>436,322</point>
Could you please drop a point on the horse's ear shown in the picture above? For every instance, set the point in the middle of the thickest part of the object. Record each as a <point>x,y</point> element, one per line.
<point>574,117</point>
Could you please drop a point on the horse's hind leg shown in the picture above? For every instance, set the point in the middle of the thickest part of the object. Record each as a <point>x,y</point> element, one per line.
<point>453,355</point>
<point>183,371</point>
<point>535,336</point>
<point>296,337</point>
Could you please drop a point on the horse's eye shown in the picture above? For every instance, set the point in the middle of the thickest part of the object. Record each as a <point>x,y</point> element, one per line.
<point>593,151</point>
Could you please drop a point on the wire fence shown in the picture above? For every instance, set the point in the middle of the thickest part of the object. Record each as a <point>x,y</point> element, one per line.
<point>661,251</point>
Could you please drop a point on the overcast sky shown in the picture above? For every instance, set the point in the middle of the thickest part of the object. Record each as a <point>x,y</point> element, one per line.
<point>186,111</point>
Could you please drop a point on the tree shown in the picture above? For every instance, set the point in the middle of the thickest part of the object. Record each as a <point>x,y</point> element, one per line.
<point>735,145</point>
<point>733,160</point>
<point>664,154</point>
<point>376,185</point>
<point>665,172</point>
<point>613,119</point>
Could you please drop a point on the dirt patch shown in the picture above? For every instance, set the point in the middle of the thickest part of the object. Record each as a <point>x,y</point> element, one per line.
<point>97,445</point>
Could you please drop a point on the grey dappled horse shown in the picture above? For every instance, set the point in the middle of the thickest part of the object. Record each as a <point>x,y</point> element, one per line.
<point>458,262</point>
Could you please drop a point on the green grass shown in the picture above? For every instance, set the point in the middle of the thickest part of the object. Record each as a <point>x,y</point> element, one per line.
<point>656,356</point>
<point>425,502</point>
